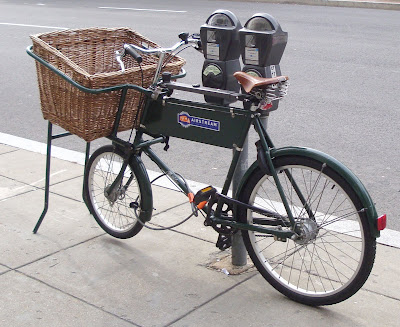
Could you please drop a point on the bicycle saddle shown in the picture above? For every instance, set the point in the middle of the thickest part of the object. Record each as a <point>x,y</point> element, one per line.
<point>249,82</point>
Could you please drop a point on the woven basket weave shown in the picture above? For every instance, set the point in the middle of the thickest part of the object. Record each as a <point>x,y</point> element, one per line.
<point>88,57</point>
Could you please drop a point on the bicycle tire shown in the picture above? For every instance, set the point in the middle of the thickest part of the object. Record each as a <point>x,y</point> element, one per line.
<point>117,214</point>
<point>334,256</point>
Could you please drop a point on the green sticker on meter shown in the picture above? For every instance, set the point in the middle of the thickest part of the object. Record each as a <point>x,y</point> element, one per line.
<point>212,69</point>
<point>253,73</point>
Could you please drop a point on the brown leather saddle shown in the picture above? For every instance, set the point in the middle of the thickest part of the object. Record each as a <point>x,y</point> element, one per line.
<point>249,82</point>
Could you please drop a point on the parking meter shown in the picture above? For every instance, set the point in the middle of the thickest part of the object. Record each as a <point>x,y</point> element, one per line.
<point>221,49</point>
<point>262,44</point>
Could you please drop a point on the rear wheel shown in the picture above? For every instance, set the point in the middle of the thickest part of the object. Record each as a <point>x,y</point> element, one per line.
<point>116,212</point>
<point>332,255</point>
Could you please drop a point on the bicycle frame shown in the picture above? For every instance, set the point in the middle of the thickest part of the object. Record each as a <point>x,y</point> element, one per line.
<point>156,115</point>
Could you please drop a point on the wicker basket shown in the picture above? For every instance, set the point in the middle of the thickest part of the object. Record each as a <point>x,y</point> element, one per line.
<point>88,57</point>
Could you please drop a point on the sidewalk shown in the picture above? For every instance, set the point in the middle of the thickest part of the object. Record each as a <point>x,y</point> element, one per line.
<point>72,274</point>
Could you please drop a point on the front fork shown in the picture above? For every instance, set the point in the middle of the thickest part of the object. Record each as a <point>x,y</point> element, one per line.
<point>266,144</point>
<point>265,160</point>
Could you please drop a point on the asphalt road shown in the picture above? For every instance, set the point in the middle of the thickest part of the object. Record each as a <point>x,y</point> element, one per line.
<point>343,63</point>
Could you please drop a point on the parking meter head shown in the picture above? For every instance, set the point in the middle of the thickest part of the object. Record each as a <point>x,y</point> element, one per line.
<point>262,41</point>
<point>219,36</point>
<point>221,48</point>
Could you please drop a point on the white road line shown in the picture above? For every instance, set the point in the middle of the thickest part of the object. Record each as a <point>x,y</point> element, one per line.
<point>41,26</point>
<point>141,9</point>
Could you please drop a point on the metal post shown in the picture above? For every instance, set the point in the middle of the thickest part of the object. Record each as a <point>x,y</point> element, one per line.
<point>87,153</point>
<point>264,120</point>
<point>239,253</point>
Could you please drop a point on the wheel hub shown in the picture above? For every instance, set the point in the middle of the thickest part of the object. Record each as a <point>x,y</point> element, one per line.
<point>307,230</point>
<point>114,196</point>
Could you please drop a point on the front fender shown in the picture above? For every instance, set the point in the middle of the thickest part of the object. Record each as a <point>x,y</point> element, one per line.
<point>146,201</point>
<point>341,169</point>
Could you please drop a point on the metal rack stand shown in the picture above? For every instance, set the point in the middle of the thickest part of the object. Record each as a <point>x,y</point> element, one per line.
<point>50,138</point>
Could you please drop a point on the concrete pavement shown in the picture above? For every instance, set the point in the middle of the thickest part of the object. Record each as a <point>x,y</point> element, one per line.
<point>73,274</point>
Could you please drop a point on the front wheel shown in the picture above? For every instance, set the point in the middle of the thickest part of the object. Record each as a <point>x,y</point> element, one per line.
<point>116,210</point>
<point>333,252</point>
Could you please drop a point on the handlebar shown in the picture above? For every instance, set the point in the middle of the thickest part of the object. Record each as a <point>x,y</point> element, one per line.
<point>135,51</point>
<point>170,50</point>
<point>131,50</point>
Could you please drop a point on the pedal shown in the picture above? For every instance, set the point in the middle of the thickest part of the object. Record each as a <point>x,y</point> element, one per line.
<point>203,196</point>
<point>224,242</point>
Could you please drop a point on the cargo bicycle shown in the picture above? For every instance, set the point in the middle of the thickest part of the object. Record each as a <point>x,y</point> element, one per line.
<point>308,223</point>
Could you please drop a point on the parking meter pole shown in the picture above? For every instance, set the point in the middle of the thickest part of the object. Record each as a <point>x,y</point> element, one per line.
<point>264,121</point>
<point>221,48</point>
<point>239,253</point>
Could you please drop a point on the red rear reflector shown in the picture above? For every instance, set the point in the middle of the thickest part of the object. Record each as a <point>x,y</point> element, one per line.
<point>266,106</point>
<point>381,222</point>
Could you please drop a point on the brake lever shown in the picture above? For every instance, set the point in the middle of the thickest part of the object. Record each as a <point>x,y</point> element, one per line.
<point>198,46</point>
<point>118,56</point>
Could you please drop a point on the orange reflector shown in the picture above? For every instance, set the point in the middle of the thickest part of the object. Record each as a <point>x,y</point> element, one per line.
<point>201,205</point>
<point>191,197</point>
<point>381,222</point>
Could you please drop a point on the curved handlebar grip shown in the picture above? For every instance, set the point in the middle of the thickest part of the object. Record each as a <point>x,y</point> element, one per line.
<point>131,50</point>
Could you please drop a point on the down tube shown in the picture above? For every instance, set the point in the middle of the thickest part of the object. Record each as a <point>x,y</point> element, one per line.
<point>180,182</point>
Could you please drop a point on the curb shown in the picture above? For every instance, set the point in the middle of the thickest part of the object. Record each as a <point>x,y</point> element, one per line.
<point>338,3</point>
